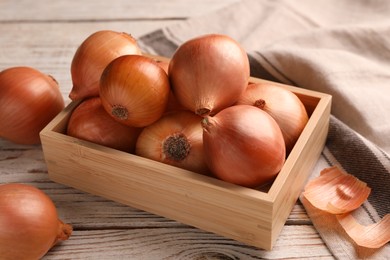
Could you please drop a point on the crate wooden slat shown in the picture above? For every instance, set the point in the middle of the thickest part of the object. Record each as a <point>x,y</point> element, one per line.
<point>251,216</point>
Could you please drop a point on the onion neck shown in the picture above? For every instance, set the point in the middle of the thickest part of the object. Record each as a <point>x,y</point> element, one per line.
<point>176,147</point>
<point>206,123</point>
<point>203,111</point>
<point>63,233</point>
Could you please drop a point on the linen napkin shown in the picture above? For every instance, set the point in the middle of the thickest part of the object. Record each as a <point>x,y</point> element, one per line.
<point>339,47</point>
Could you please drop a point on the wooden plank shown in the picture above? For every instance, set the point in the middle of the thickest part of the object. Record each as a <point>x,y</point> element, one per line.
<point>301,242</point>
<point>92,10</point>
<point>25,164</point>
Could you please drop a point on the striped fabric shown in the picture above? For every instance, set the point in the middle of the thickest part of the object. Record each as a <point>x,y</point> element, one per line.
<point>340,47</point>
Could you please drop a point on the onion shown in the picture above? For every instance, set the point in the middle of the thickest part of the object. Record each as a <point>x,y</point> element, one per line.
<point>93,55</point>
<point>134,90</point>
<point>174,139</point>
<point>29,224</point>
<point>282,104</point>
<point>243,145</point>
<point>209,73</point>
<point>89,121</point>
<point>29,100</point>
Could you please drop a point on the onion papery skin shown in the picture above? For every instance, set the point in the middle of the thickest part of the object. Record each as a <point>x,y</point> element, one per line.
<point>29,224</point>
<point>134,90</point>
<point>93,56</point>
<point>209,73</point>
<point>90,121</point>
<point>152,142</point>
<point>282,104</point>
<point>29,100</point>
<point>243,145</point>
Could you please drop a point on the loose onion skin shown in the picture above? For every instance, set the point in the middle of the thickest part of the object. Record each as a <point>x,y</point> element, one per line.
<point>243,145</point>
<point>29,100</point>
<point>175,139</point>
<point>134,90</point>
<point>93,55</point>
<point>282,104</point>
<point>89,121</point>
<point>29,224</point>
<point>209,73</point>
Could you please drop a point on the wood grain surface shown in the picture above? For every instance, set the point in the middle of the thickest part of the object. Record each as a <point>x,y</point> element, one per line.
<point>45,34</point>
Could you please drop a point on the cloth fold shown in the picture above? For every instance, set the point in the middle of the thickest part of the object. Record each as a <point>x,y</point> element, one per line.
<point>339,47</point>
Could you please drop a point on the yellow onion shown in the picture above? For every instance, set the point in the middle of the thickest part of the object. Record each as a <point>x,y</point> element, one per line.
<point>29,100</point>
<point>134,90</point>
<point>209,73</point>
<point>93,55</point>
<point>243,145</point>
<point>89,121</point>
<point>175,139</point>
<point>282,104</point>
<point>29,223</point>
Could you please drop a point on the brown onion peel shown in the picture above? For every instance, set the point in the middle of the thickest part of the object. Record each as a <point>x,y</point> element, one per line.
<point>369,236</point>
<point>243,145</point>
<point>175,139</point>
<point>93,55</point>
<point>29,100</point>
<point>89,121</point>
<point>29,224</point>
<point>209,73</point>
<point>340,193</point>
<point>336,191</point>
<point>282,104</point>
<point>134,90</point>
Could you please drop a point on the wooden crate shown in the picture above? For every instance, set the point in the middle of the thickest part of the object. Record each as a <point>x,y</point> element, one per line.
<point>248,215</point>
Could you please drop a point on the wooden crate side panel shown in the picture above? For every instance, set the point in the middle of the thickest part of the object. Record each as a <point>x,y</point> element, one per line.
<point>160,189</point>
<point>300,164</point>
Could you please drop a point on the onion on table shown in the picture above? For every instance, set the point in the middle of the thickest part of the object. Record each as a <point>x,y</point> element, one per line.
<point>29,100</point>
<point>29,223</point>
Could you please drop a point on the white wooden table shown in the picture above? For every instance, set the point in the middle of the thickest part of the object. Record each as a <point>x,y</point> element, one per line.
<point>44,35</point>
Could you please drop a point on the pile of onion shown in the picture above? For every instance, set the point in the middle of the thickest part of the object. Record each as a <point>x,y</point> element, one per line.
<point>197,111</point>
<point>29,100</point>
<point>29,224</point>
